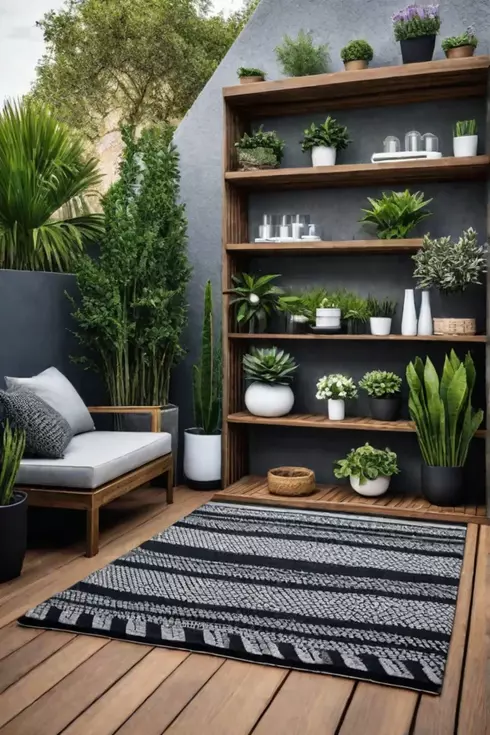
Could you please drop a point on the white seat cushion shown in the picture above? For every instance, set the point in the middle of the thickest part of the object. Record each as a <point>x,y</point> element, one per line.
<point>94,458</point>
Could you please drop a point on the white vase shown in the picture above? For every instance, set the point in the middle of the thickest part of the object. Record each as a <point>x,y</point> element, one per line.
<point>323,156</point>
<point>425,328</point>
<point>465,145</point>
<point>336,409</point>
<point>409,318</point>
<point>380,325</point>
<point>202,459</point>
<point>371,488</point>
<point>270,401</point>
<point>328,318</point>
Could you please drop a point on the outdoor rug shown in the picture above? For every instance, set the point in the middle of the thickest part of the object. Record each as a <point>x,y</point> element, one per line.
<point>359,596</point>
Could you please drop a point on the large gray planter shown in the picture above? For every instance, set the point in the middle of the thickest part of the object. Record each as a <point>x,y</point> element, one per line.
<point>169,423</point>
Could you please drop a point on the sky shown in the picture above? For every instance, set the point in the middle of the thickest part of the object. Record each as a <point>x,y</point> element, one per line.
<point>21,43</point>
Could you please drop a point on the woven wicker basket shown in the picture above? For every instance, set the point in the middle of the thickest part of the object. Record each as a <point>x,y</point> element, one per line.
<point>291,481</point>
<point>454,326</point>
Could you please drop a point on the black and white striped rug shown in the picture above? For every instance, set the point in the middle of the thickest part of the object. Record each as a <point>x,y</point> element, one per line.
<point>363,597</point>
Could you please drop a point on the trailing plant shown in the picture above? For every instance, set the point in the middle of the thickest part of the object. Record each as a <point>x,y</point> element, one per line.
<point>396,214</point>
<point>450,266</point>
<point>255,299</point>
<point>329,134</point>
<point>45,179</point>
<point>13,446</point>
<point>269,365</point>
<point>300,57</point>
<point>381,384</point>
<point>467,38</point>
<point>367,463</point>
<point>263,147</point>
<point>335,386</point>
<point>415,21</point>
<point>465,127</point>
<point>445,420</point>
<point>385,309</point>
<point>133,303</point>
<point>357,51</point>
<point>244,71</point>
<point>206,377</point>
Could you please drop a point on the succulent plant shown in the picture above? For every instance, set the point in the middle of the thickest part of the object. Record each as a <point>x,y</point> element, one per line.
<point>269,365</point>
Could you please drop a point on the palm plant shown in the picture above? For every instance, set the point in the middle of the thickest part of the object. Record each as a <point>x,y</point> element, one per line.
<point>45,177</point>
<point>441,409</point>
<point>255,298</point>
<point>396,214</point>
<point>207,374</point>
<point>269,365</point>
<point>14,443</point>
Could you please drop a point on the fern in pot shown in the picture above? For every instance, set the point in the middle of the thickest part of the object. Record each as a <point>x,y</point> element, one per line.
<point>384,391</point>
<point>270,372</point>
<point>324,141</point>
<point>369,470</point>
<point>13,505</point>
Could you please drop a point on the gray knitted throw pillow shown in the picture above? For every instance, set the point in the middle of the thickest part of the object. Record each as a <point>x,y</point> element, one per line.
<point>47,432</point>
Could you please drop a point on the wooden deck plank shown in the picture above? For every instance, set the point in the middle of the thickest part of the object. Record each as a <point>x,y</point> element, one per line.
<point>12,637</point>
<point>20,662</point>
<point>379,710</point>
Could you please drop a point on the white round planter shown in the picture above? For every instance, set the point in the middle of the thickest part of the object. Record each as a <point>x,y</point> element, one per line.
<point>323,156</point>
<point>372,488</point>
<point>465,145</point>
<point>380,325</point>
<point>269,400</point>
<point>202,460</point>
<point>328,318</point>
<point>336,409</point>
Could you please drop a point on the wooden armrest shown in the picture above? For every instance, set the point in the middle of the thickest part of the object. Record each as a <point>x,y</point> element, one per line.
<point>154,411</point>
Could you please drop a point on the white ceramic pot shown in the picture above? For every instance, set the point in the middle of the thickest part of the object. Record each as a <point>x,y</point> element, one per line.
<point>372,488</point>
<point>425,327</point>
<point>409,316</point>
<point>202,458</point>
<point>269,400</point>
<point>323,156</point>
<point>465,145</point>
<point>328,318</point>
<point>380,325</point>
<point>336,409</point>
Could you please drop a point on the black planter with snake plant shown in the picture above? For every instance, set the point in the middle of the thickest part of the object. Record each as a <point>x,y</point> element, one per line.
<point>13,506</point>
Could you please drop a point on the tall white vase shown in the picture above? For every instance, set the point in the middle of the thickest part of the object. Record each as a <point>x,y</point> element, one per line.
<point>409,318</point>
<point>425,327</point>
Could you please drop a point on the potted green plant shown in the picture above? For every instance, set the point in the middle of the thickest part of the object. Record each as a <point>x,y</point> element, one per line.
<point>295,311</point>
<point>445,422</point>
<point>451,267</point>
<point>328,315</point>
<point>336,389</point>
<point>299,57</point>
<point>270,372</point>
<point>416,28</point>
<point>381,315</point>
<point>255,299</point>
<point>395,215</point>
<point>261,150</point>
<point>13,505</point>
<point>459,47</point>
<point>354,310</point>
<point>465,138</point>
<point>324,141</point>
<point>356,55</point>
<point>250,75</point>
<point>369,470</point>
<point>202,444</point>
<point>384,391</point>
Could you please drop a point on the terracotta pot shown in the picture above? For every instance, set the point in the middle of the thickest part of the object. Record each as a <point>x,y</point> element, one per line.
<point>461,52</point>
<point>355,65</point>
<point>251,80</point>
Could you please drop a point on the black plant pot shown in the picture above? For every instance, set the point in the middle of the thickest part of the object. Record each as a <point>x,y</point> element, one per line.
<point>355,326</point>
<point>442,485</point>
<point>384,409</point>
<point>13,537</point>
<point>418,49</point>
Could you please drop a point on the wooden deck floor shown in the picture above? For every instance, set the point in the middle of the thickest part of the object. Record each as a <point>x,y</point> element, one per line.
<point>57,682</point>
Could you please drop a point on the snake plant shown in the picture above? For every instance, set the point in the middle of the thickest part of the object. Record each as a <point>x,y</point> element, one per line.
<point>14,442</point>
<point>207,374</point>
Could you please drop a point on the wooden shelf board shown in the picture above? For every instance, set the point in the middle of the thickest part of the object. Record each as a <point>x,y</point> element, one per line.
<point>336,498</point>
<point>320,421</point>
<point>478,338</point>
<point>319,247</point>
<point>363,174</point>
<point>387,85</point>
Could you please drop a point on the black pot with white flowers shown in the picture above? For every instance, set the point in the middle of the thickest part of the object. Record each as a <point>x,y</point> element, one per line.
<point>416,27</point>
<point>383,389</point>
<point>13,505</point>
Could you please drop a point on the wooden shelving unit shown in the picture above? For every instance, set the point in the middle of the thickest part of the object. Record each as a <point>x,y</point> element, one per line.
<point>475,338</point>
<point>326,247</point>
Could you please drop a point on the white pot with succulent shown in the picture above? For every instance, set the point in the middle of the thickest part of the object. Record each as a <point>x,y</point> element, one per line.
<point>270,372</point>
<point>324,141</point>
<point>465,140</point>
<point>336,389</point>
<point>381,314</point>
<point>368,470</point>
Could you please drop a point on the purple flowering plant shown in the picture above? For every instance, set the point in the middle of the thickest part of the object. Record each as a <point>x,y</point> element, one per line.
<point>415,21</point>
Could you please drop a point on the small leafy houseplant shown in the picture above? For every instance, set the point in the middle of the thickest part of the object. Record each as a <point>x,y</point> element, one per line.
<point>368,469</point>
<point>357,55</point>
<point>255,299</point>
<point>270,372</point>
<point>457,47</point>
<point>381,313</point>
<point>416,28</point>
<point>354,310</point>
<point>261,150</point>
<point>383,389</point>
<point>202,449</point>
<point>328,313</point>
<point>13,505</point>
<point>395,215</point>
<point>336,389</point>
<point>299,57</point>
<point>465,138</point>
<point>324,141</point>
<point>248,75</point>
<point>445,422</point>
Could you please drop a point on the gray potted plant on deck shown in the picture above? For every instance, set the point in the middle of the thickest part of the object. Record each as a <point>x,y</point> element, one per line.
<point>13,505</point>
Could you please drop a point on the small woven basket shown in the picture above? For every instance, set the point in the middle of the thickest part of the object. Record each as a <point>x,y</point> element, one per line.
<point>291,481</point>
<point>454,326</point>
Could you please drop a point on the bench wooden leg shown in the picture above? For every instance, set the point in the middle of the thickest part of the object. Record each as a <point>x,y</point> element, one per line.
<point>92,547</point>
<point>170,484</point>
